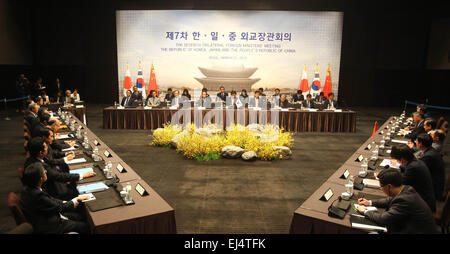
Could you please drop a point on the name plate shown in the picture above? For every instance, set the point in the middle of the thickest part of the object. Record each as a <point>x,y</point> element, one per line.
<point>79,106</point>
<point>345,174</point>
<point>146,107</point>
<point>96,142</point>
<point>368,147</point>
<point>327,195</point>
<point>201,108</point>
<point>284,109</point>
<point>120,168</point>
<point>141,190</point>
<point>107,154</point>
<point>360,158</point>
<point>173,107</point>
<point>120,107</point>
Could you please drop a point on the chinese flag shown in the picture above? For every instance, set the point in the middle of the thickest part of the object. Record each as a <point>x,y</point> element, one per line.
<point>127,82</point>
<point>375,127</point>
<point>152,84</point>
<point>304,82</point>
<point>327,87</point>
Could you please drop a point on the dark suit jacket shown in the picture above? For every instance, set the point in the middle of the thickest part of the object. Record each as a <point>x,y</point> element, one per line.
<point>56,184</point>
<point>32,119</point>
<point>436,165</point>
<point>405,213</point>
<point>130,101</point>
<point>320,100</point>
<point>168,97</point>
<point>59,144</point>
<point>417,175</point>
<point>327,102</point>
<point>204,102</point>
<point>136,97</point>
<point>416,131</point>
<point>69,100</point>
<point>43,211</point>
<point>38,130</point>
<point>304,103</point>
<point>262,102</point>
<point>284,104</point>
<point>298,98</point>
<point>55,157</point>
<point>223,96</point>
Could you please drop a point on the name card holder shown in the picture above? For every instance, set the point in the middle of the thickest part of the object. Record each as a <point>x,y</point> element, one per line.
<point>107,154</point>
<point>120,168</point>
<point>96,142</point>
<point>345,174</point>
<point>360,158</point>
<point>141,190</point>
<point>327,195</point>
<point>368,147</point>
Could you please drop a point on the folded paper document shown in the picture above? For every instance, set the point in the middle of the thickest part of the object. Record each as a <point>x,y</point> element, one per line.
<point>93,187</point>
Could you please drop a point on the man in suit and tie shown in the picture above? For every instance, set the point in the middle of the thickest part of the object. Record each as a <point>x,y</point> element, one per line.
<point>61,184</point>
<point>418,118</point>
<point>283,102</point>
<point>222,95</point>
<point>415,173</point>
<point>127,101</point>
<point>434,162</point>
<point>406,212</point>
<point>308,103</point>
<point>330,103</point>
<point>47,214</point>
<point>298,97</point>
<point>231,100</point>
<point>69,99</point>
<point>275,100</point>
<point>204,101</point>
<point>321,98</point>
<point>258,101</point>
<point>168,96</point>
<point>32,115</point>
<point>136,97</point>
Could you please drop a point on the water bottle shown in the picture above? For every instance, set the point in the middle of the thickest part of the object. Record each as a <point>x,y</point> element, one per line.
<point>109,173</point>
<point>349,185</point>
<point>59,112</point>
<point>387,140</point>
<point>381,149</point>
<point>363,172</point>
<point>128,189</point>
<point>95,155</point>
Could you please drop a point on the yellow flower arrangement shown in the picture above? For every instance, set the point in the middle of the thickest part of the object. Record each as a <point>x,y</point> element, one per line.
<point>162,136</point>
<point>194,146</point>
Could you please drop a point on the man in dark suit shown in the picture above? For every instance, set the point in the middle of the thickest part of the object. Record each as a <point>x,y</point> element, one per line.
<point>415,173</point>
<point>418,119</point>
<point>320,99</point>
<point>69,99</point>
<point>61,184</point>
<point>31,117</point>
<point>136,97</point>
<point>168,96</point>
<point>434,162</point>
<point>40,128</point>
<point>127,101</point>
<point>308,103</point>
<point>258,101</point>
<point>298,96</point>
<point>204,101</point>
<point>44,212</point>
<point>222,95</point>
<point>283,102</point>
<point>58,143</point>
<point>406,212</point>
<point>330,103</point>
<point>429,124</point>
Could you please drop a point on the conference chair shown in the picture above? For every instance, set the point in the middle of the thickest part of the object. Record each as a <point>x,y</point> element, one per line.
<point>13,204</point>
<point>22,229</point>
<point>442,217</point>
<point>444,127</point>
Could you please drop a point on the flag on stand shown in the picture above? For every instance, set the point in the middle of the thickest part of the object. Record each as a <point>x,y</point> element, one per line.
<point>327,88</point>
<point>375,127</point>
<point>140,82</point>
<point>315,85</point>
<point>127,82</point>
<point>304,81</point>
<point>152,83</point>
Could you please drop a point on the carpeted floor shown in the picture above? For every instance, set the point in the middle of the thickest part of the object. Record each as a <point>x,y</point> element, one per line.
<point>222,196</point>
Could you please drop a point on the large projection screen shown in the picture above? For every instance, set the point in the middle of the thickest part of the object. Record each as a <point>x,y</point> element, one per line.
<point>236,49</point>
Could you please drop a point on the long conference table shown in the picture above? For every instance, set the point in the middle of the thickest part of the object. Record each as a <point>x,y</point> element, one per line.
<point>312,216</point>
<point>150,214</point>
<point>293,120</point>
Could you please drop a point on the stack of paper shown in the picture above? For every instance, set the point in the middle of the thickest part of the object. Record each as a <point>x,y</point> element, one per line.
<point>91,197</point>
<point>389,162</point>
<point>63,136</point>
<point>78,160</point>
<point>81,171</point>
<point>400,141</point>
<point>93,187</point>
<point>369,208</point>
<point>370,183</point>
<point>72,148</point>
